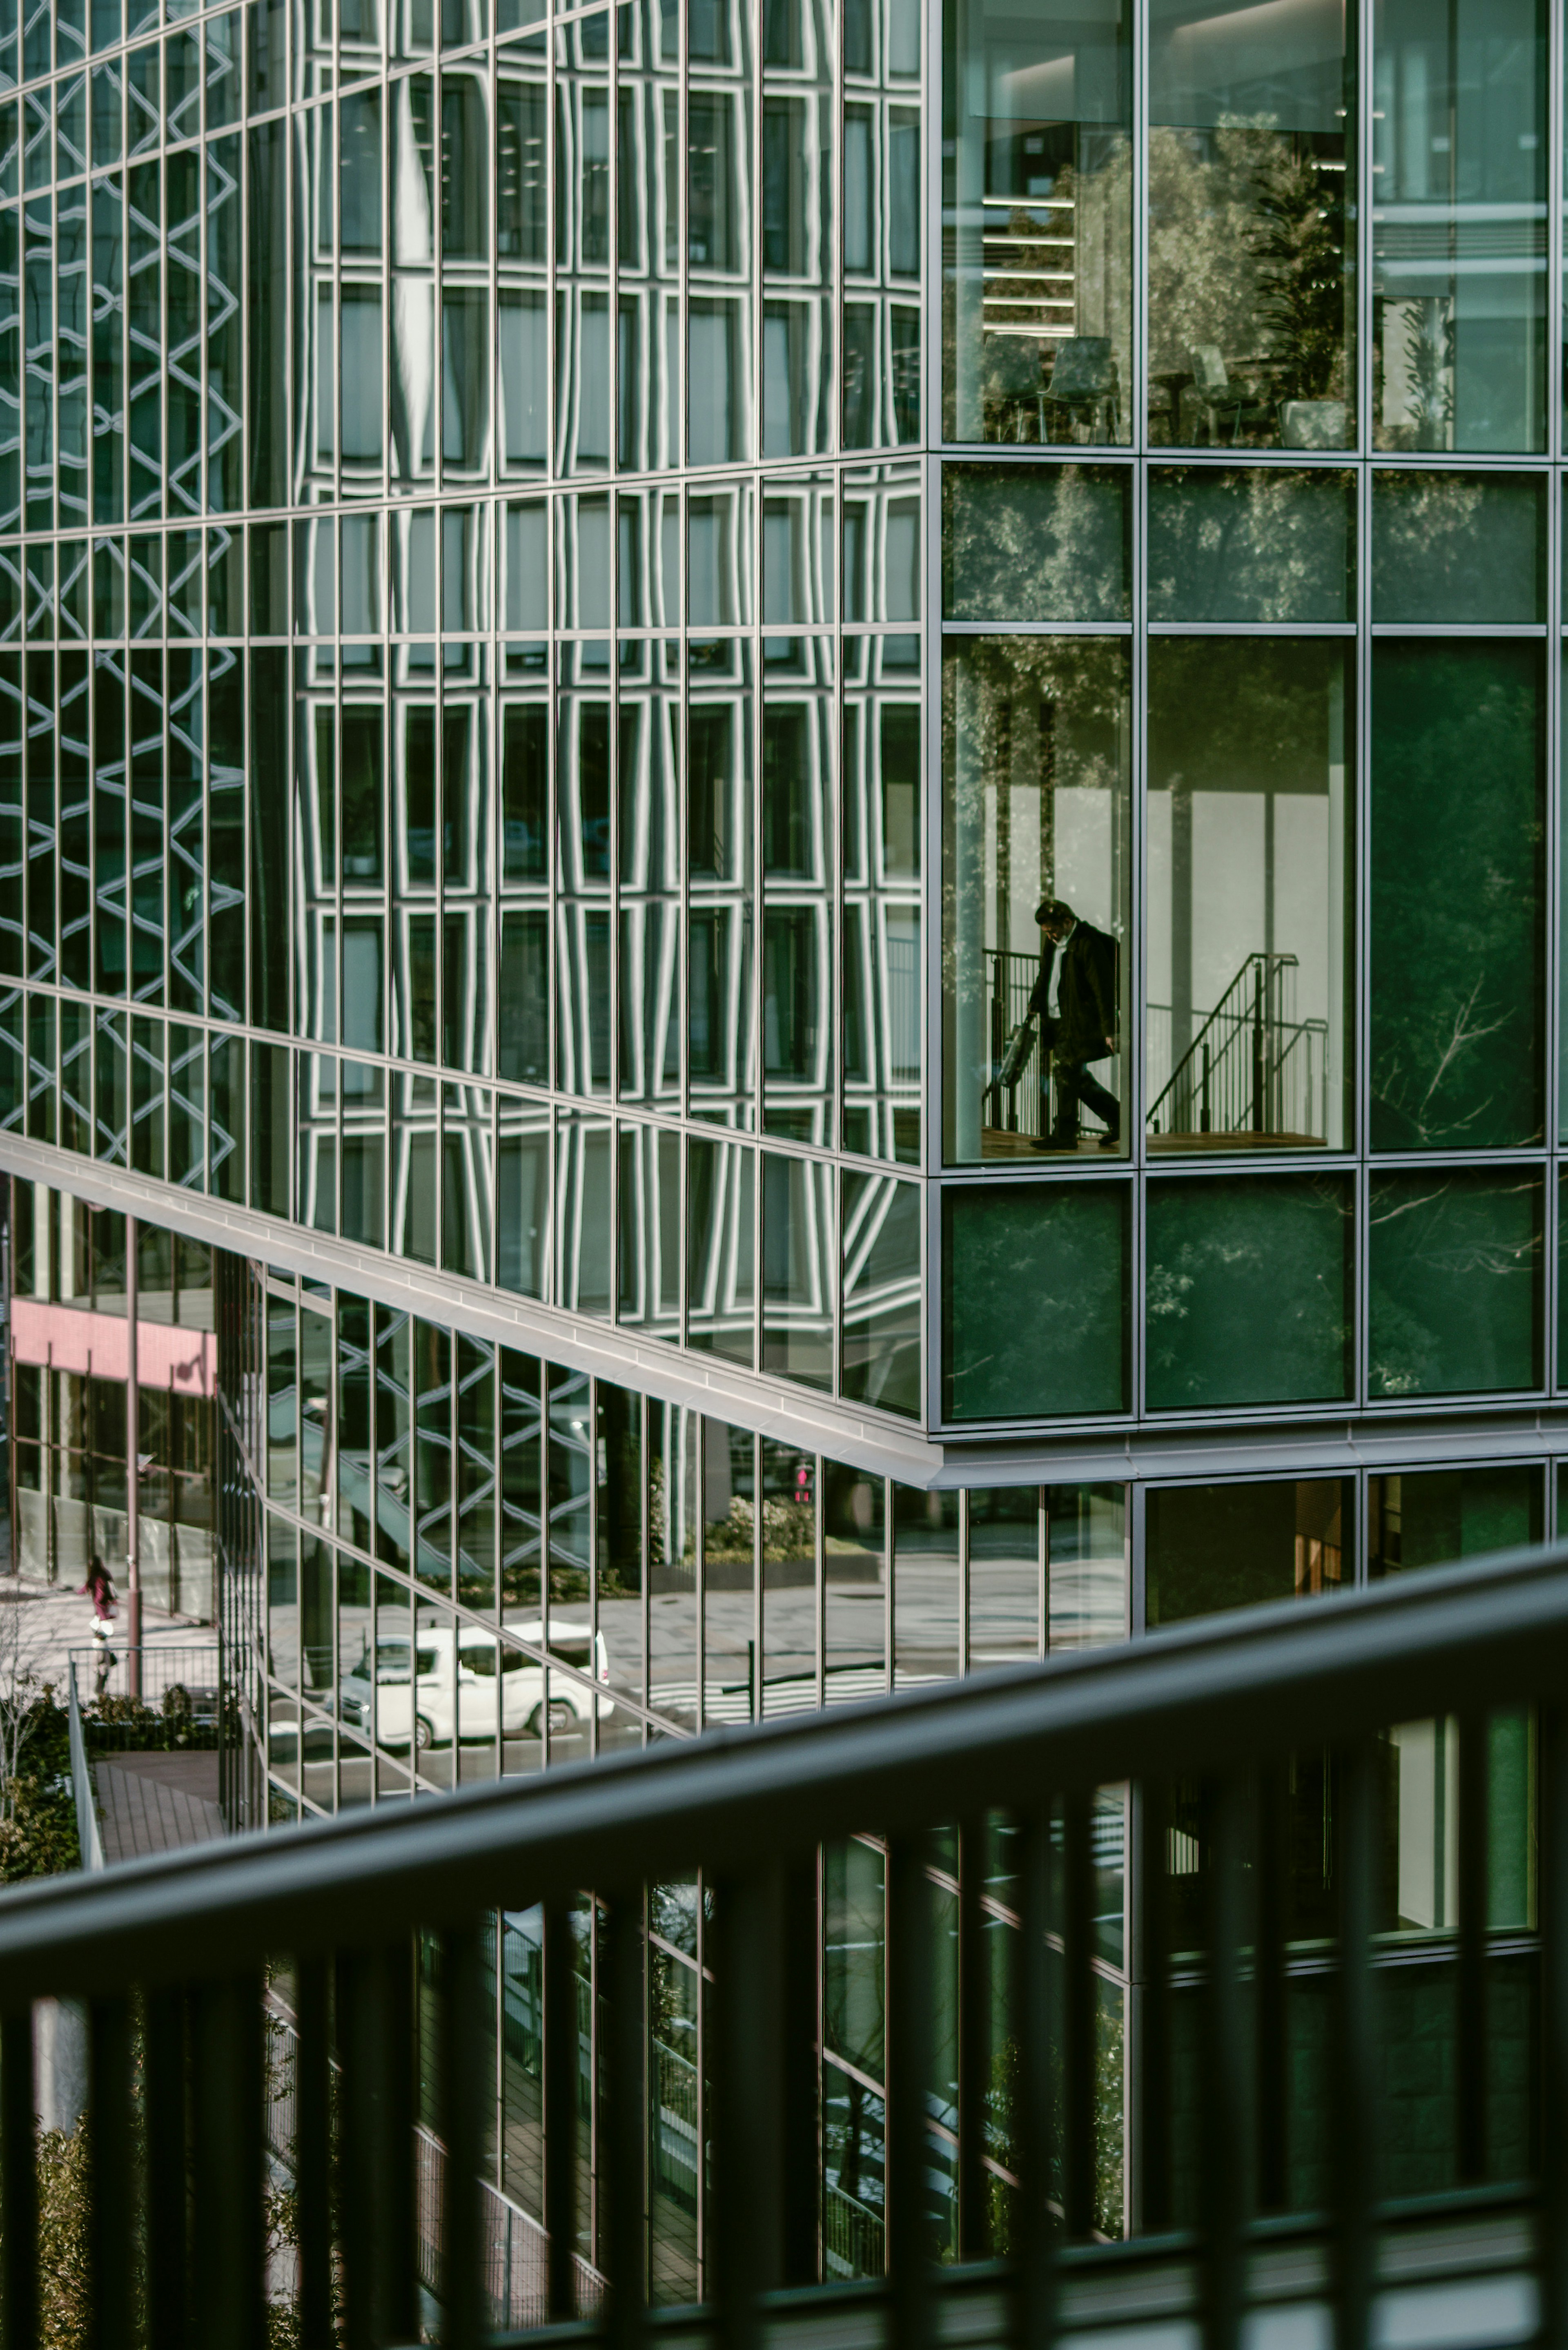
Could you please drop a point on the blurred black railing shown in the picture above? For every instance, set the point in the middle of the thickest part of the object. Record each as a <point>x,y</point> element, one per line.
<point>192,1966</point>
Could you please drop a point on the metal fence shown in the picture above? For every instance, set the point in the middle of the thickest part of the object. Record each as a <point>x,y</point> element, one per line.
<point>1253,1068</point>
<point>1258,1749</point>
<point>88,1839</point>
<point>166,1677</point>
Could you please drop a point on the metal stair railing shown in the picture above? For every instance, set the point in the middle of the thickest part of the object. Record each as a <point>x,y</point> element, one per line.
<point>1252,1066</point>
<point>185,1961</point>
<point>1023,1104</point>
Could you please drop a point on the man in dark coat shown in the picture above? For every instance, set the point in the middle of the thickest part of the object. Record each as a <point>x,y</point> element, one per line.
<point>1075,1000</point>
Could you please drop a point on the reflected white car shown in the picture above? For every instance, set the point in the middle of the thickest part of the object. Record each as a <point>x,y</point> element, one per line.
<point>445,1687</point>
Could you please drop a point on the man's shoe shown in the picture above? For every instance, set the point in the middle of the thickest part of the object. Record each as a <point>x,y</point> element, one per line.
<point>1110,1142</point>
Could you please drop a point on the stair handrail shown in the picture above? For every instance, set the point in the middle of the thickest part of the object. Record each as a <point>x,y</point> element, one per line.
<point>1272,963</point>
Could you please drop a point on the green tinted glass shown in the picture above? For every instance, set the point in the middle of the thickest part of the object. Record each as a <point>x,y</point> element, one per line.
<point>1209,1547</point>
<point>1248,1292</point>
<point>882,1292</point>
<point>1455,1292</point>
<point>1033,1286</point>
<point>1457,841</point>
<point>1467,547</point>
<point>1034,543</point>
<point>1446,1513</point>
<point>1258,543</point>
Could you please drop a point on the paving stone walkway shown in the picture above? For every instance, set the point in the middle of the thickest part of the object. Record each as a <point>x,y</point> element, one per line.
<point>156,1802</point>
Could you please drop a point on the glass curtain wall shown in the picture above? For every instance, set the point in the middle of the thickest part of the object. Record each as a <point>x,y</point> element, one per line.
<point>67,1265</point>
<point>1309,841</point>
<point>1252,204</point>
<point>465,1561</point>
<point>402,740</point>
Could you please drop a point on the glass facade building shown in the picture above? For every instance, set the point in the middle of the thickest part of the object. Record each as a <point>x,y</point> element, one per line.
<point>800,768</point>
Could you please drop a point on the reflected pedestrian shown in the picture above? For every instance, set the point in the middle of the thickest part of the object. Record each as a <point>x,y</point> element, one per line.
<point>100,1589</point>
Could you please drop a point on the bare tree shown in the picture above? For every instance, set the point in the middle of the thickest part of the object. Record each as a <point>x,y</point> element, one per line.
<point>23,1641</point>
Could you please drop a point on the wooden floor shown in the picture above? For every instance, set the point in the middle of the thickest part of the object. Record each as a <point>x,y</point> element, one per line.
<point>996,1143</point>
<point>156,1802</point>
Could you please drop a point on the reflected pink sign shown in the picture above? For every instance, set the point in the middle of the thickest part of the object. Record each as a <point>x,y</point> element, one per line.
<point>64,1338</point>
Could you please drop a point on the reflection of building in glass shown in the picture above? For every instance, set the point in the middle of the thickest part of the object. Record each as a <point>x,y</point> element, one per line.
<point>800,787</point>
<point>80,1279</point>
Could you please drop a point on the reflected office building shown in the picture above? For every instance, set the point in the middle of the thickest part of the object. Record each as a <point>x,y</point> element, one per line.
<point>797,766</point>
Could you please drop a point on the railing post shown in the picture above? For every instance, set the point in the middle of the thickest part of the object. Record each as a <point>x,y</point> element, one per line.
<point>464,2114</point>
<point>1354,2166</point>
<point>1223,2196</point>
<point>624,2165</point>
<point>110,2200</point>
<point>1079,2020</point>
<point>561,2065</point>
<point>1270,2035</point>
<point>1472,1983</point>
<point>801,2058</point>
<point>18,2184</point>
<point>376,2146</point>
<point>227,2072</point>
<point>1551,2227</point>
<point>313,2154</point>
<point>1150,2021</point>
<point>1259,1070</point>
<point>747,2236</point>
<point>909,2030</point>
<point>1034,2314</point>
<point>163,2105</point>
<point>974,2042</point>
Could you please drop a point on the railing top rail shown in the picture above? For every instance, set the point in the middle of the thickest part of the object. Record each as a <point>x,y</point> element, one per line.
<point>116,1653</point>
<point>1206,1698</point>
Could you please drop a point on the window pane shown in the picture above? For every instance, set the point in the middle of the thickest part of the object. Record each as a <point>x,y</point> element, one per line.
<point>1459,242</point>
<point>1253,544</point>
<point>584,1214</point>
<point>1034,543</point>
<point>799,836</point>
<point>925,1586</point>
<point>648,1231</point>
<point>1003,1577</point>
<point>648,784</point>
<point>1035,736</point>
<point>882,1293</point>
<point>1249,886</point>
<point>1455,1288</point>
<point>1446,1513</point>
<point>721,1288</point>
<point>720,1022</point>
<point>729,1572</point>
<point>1251,247</point>
<point>854,1598</point>
<point>1457,756</point>
<point>1037,206</point>
<point>1210,1547</point>
<point>798,1284</point>
<point>674,1437</point>
<point>1458,546</point>
<point>881,830</point>
<point>1249,1296</point>
<point>1064,1248</point>
<point>789,1579</point>
<point>1089,1564</point>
